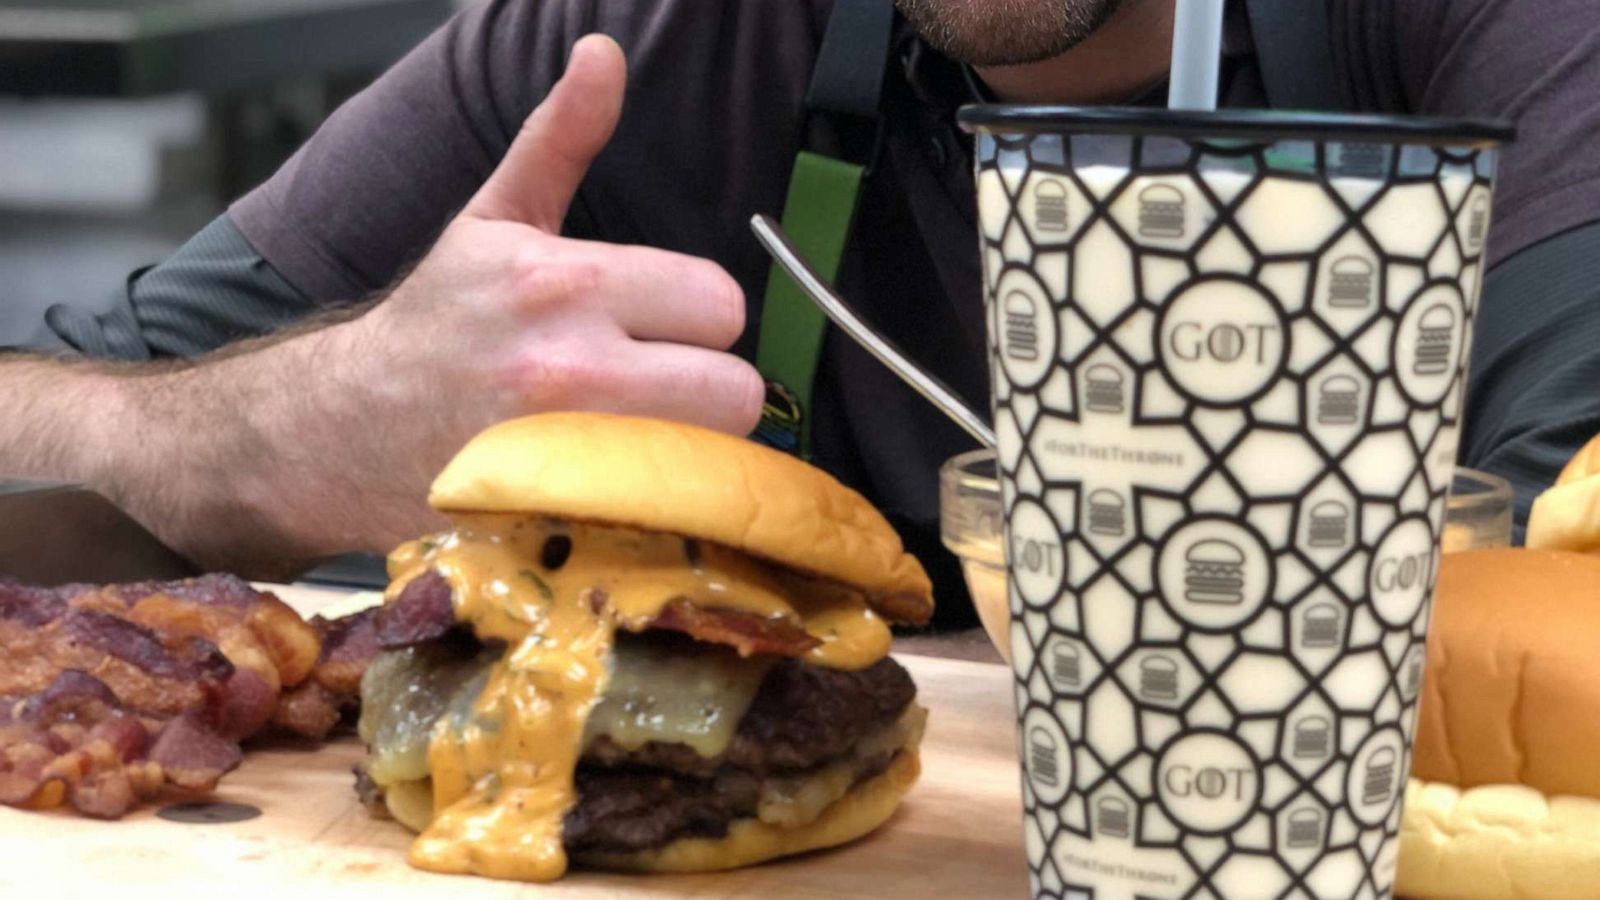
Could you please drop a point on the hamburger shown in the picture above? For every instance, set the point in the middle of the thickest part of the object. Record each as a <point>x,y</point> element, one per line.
<point>1214,574</point>
<point>640,646</point>
<point>1504,800</point>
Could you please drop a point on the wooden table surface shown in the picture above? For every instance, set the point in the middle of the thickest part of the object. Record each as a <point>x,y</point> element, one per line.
<point>958,835</point>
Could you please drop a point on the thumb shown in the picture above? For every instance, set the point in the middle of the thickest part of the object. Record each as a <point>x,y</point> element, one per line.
<point>535,181</point>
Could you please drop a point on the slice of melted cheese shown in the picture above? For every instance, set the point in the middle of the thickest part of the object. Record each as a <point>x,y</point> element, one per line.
<point>554,595</point>
<point>659,693</point>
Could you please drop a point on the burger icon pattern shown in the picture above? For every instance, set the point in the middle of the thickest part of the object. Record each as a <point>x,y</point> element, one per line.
<point>1168,647</point>
<point>1215,573</point>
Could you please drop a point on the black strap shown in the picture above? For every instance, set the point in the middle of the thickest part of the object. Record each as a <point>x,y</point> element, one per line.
<point>1294,47</point>
<point>819,213</point>
<point>852,62</point>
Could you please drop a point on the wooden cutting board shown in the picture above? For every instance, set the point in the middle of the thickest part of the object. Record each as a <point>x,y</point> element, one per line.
<point>958,835</point>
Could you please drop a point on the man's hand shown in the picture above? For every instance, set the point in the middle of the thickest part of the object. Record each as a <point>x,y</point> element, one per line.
<point>508,313</point>
<point>326,442</point>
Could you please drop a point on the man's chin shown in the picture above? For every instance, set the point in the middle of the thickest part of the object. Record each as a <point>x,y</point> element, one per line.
<point>1005,32</point>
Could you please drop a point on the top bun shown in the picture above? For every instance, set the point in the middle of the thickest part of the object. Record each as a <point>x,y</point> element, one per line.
<point>1511,694</point>
<point>655,475</point>
<point>1567,515</point>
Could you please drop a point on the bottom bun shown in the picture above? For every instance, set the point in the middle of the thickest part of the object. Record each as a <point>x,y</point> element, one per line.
<point>749,841</point>
<point>1497,842</point>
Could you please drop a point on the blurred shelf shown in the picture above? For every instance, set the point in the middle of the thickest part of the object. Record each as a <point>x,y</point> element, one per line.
<point>134,48</point>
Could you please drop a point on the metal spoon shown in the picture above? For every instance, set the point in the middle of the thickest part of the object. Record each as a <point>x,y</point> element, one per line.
<point>771,235</point>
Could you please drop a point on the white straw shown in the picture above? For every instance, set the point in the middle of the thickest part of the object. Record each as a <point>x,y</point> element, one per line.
<point>1196,54</point>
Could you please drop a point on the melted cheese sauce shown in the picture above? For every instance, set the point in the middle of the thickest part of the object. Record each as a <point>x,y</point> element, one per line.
<point>554,594</point>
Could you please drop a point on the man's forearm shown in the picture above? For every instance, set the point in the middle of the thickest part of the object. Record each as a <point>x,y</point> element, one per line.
<point>62,416</point>
<point>222,457</point>
<point>160,440</point>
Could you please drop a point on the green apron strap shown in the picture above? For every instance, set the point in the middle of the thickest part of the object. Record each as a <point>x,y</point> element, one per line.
<point>817,216</point>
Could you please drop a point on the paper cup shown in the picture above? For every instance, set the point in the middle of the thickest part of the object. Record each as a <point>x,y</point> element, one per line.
<point>1229,353</point>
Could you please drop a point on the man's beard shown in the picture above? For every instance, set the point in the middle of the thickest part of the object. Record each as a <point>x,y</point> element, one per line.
<point>1005,32</point>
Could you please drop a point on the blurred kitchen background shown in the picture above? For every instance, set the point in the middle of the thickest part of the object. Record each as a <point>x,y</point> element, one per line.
<point>126,125</point>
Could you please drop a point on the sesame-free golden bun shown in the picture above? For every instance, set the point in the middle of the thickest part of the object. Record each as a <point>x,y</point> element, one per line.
<point>1497,842</point>
<point>655,475</point>
<point>1567,515</point>
<point>1505,797</point>
<point>1512,691</point>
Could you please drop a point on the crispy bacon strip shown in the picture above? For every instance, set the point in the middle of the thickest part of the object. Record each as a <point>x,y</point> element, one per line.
<point>243,621</point>
<point>191,755</point>
<point>31,606</point>
<point>334,688</point>
<point>348,644</point>
<point>905,608</point>
<point>310,710</point>
<point>110,694</point>
<point>745,632</point>
<point>423,610</point>
<point>74,742</point>
<point>153,677</point>
<point>213,645</point>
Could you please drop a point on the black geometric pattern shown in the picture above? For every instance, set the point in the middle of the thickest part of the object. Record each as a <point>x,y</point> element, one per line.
<point>1228,378</point>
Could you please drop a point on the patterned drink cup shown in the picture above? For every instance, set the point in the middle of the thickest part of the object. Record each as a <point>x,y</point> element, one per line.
<point>1228,355</point>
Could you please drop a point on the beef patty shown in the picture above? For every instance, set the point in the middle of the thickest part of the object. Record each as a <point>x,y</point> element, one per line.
<point>803,719</point>
<point>636,809</point>
<point>631,809</point>
<point>802,716</point>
